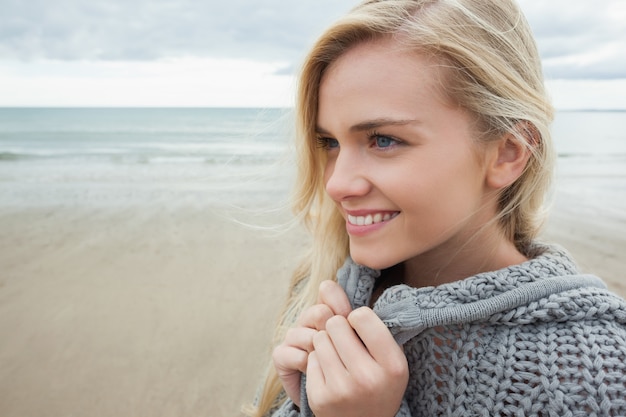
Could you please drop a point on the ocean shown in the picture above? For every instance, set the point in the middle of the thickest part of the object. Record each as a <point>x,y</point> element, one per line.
<point>120,156</point>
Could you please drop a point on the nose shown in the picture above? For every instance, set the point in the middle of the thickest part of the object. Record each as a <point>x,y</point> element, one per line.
<point>346,176</point>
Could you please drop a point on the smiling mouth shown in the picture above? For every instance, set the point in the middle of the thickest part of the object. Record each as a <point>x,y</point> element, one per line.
<point>371,219</point>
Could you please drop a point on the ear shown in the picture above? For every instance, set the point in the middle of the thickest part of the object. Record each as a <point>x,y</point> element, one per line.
<point>508,159</point>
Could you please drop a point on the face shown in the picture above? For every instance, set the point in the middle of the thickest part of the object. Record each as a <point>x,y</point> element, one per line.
<point>403,165</point>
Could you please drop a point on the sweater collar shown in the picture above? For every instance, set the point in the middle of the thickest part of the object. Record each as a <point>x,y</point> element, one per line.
<point>408,311</point>
<point>545,261</point>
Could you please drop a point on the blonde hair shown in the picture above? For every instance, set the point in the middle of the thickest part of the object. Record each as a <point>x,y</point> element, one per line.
<point>490,67</point>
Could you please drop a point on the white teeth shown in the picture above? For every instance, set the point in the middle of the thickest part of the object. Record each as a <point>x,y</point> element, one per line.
<point>370,219</point>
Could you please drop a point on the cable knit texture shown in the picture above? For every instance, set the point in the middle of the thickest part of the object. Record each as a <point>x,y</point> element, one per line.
<point>535,339</point>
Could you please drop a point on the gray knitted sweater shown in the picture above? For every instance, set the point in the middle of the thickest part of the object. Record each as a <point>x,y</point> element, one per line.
<point>534,339</point>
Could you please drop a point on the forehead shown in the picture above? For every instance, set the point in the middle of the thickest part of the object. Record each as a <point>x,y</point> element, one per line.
<point>381,78</point>
<point>385,56</point>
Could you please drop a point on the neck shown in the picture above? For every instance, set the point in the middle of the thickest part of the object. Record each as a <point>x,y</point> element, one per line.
<point>443,265</point>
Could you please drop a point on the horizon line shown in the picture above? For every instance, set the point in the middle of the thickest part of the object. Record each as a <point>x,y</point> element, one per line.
<point>76,107</point>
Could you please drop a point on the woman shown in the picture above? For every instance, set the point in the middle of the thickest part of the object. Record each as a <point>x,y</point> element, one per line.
<point>425,156</point>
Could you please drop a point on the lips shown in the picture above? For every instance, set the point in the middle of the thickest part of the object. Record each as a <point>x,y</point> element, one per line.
<point>370,219</point>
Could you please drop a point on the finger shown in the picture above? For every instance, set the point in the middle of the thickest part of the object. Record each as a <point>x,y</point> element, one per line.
<point>331,294</point>
<point>349,347</point>
<point>288,359</point>
<point>289,364</point>
<point>314,372</point>
<point>315,317</point>
<point>376,337</point>
<point>301,338</point>
<point>329,361</point>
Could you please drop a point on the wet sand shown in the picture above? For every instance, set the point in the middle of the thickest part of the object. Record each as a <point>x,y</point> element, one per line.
<point>164,310</point>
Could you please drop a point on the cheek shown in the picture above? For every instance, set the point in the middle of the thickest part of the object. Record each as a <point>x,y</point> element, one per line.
<point>462,194</point>
<point>442,188</point>
<point>328,168</point>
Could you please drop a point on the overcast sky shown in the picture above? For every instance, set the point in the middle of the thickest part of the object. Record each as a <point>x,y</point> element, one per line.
<point>243,52</point>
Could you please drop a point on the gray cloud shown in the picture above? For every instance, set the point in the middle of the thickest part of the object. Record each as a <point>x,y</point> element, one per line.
<point>580,39</point>
<point>577,39</point>
<point>150,29</point>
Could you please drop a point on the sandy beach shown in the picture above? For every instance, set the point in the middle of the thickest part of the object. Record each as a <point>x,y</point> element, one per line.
<point>165,310</point>
<point>134,312</point>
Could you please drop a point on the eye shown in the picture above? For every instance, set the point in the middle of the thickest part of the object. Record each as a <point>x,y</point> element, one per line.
<point>327,143</point>
<point>382,141</point>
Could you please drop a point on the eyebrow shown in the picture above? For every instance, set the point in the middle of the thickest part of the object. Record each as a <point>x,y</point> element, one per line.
<point>373,124</point>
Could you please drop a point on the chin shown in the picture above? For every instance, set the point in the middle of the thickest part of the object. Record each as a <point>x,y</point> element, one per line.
<point>372,260</point>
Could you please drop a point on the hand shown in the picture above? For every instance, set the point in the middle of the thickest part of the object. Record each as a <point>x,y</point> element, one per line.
<point>356,368</point>
<point>291,356</point>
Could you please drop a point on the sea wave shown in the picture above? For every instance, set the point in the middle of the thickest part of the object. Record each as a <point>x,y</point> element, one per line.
<point>223,155</point>
<point>10,156</point>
